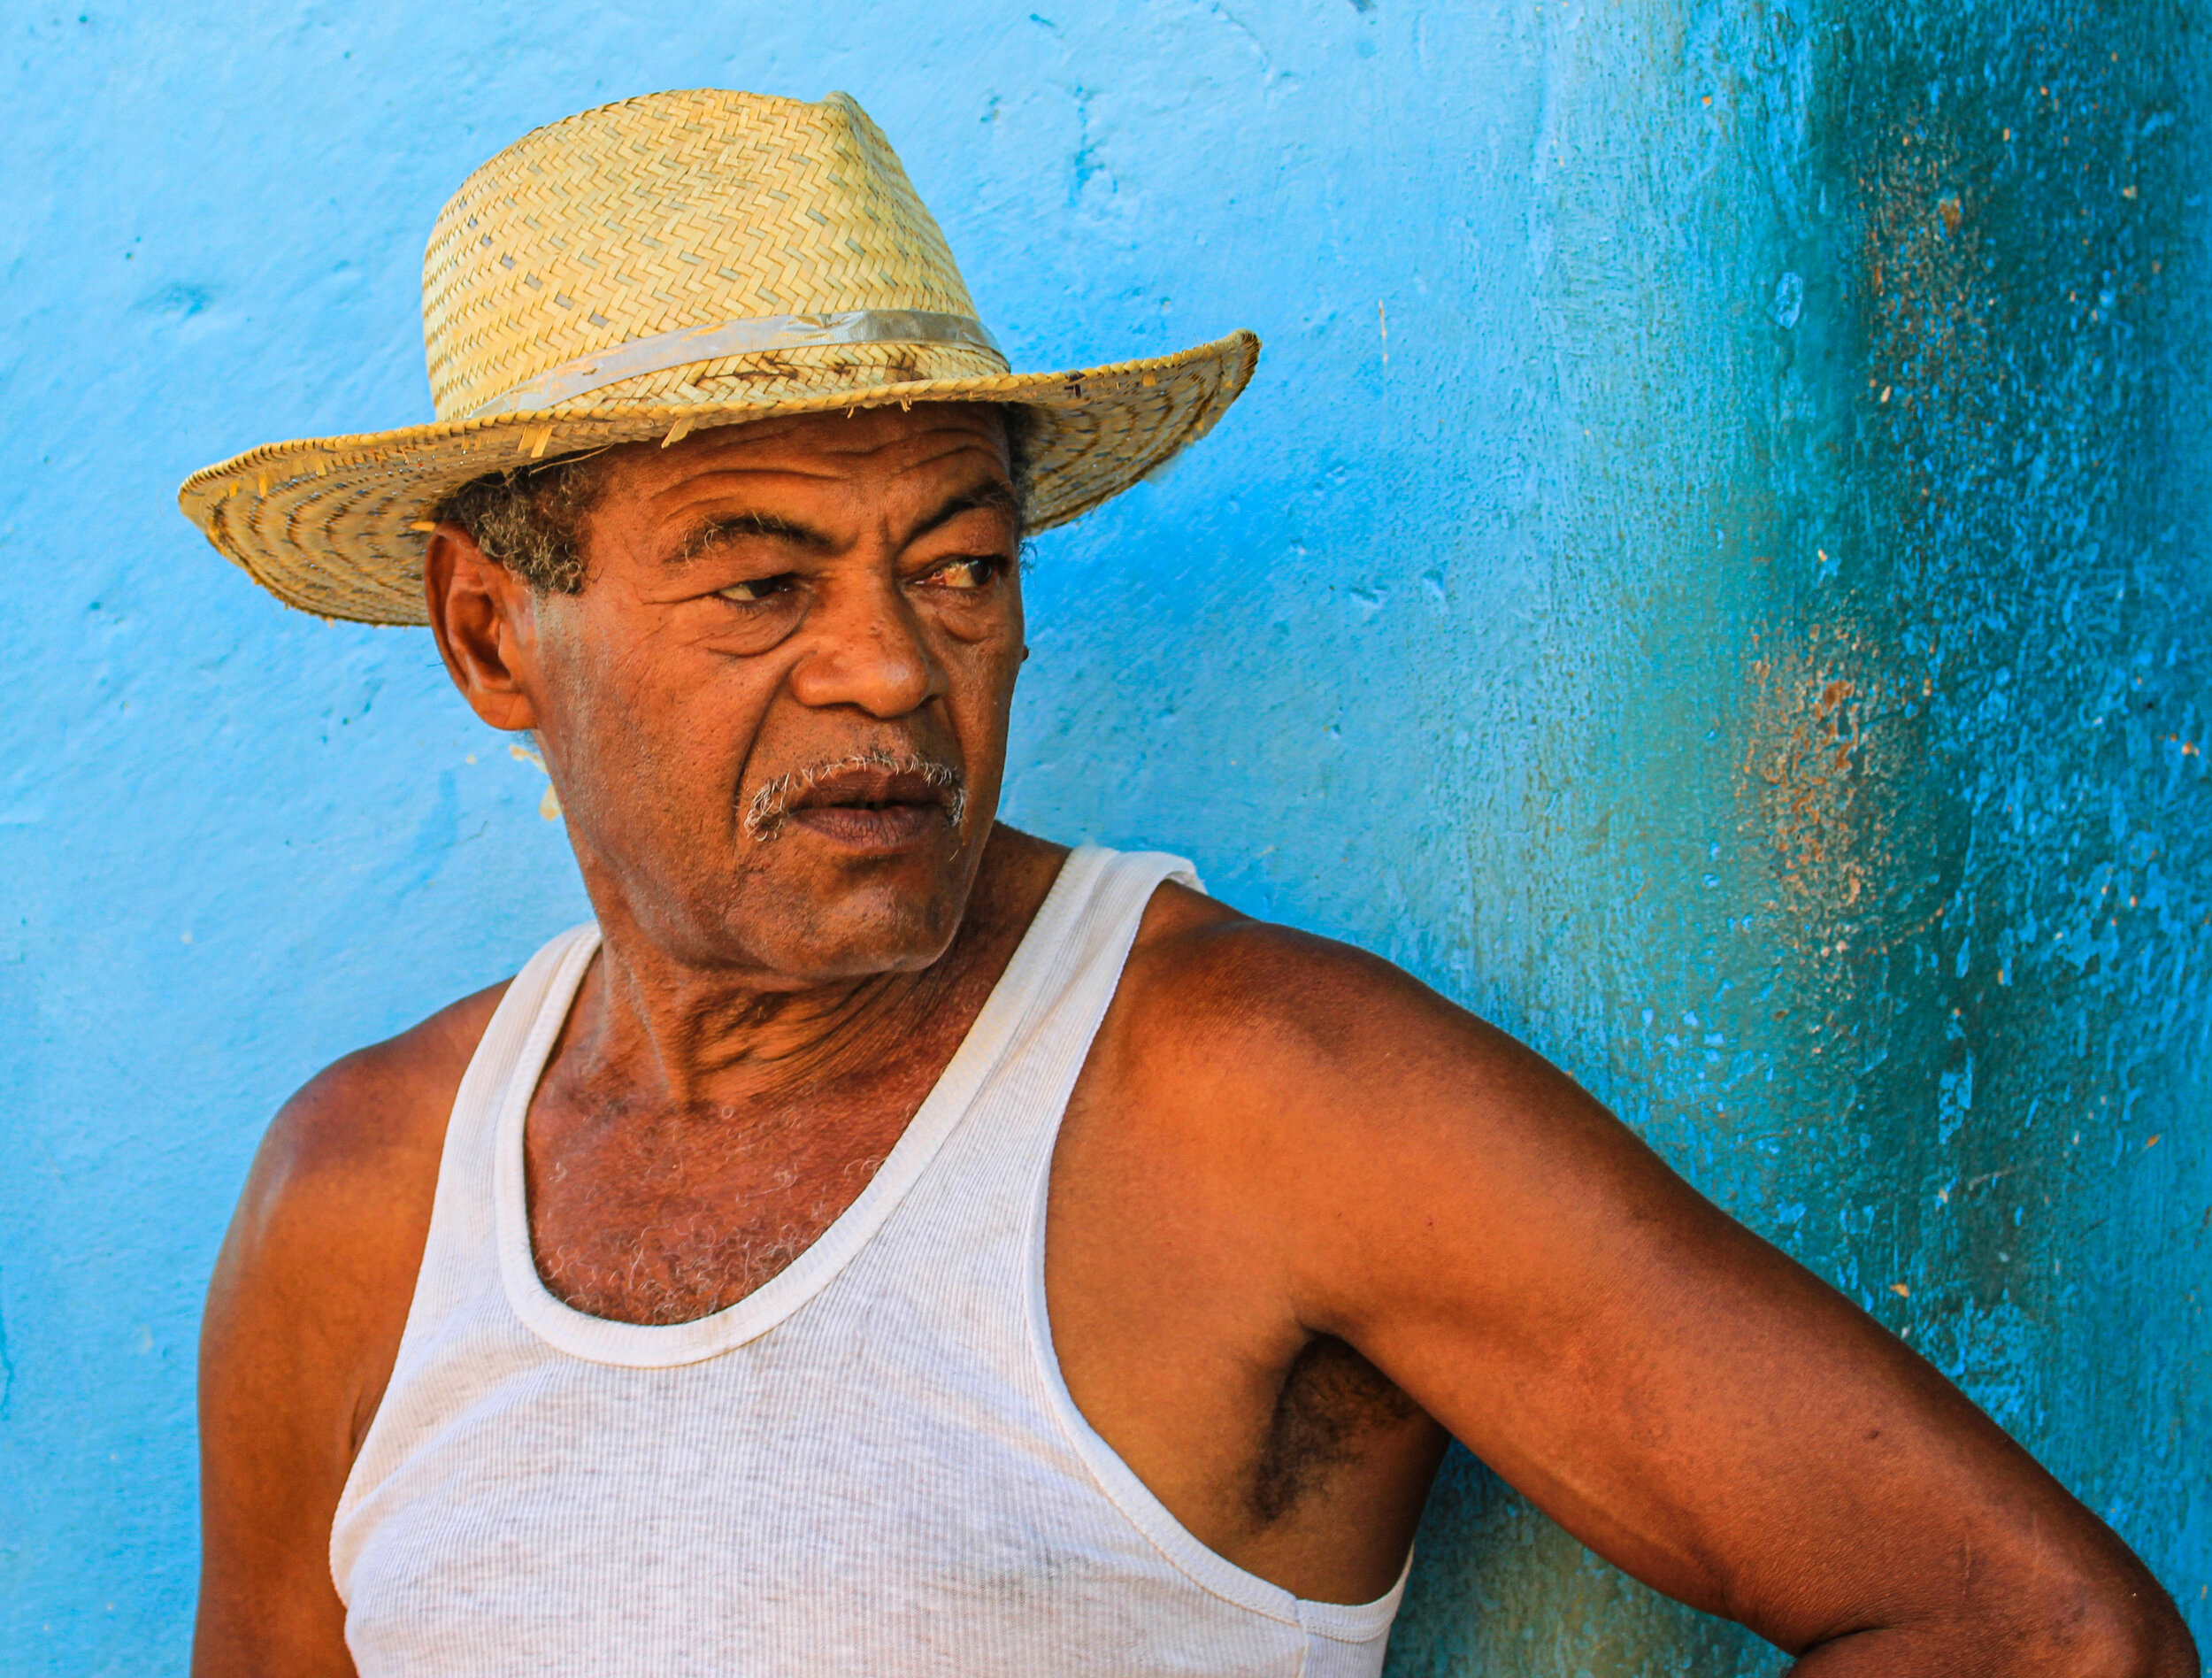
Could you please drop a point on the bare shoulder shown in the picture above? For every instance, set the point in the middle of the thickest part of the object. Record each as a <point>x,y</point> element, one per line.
<point>1299,1019</point>
<point>367,1124</point>
<point>1324,1090</point>
<point>330,1225</point>
<point>1355,1118</point>
<point>391,1096</point>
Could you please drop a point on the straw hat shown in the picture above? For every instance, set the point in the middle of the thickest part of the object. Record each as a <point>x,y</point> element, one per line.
<point>655,268</point>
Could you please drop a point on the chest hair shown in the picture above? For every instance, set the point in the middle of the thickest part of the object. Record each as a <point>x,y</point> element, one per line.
<point>666,1218</point>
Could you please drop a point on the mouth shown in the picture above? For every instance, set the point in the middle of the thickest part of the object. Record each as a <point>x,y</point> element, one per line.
<point>872,809</point>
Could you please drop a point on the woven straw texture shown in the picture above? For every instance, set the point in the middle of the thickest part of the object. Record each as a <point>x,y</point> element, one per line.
<point>673,212</point>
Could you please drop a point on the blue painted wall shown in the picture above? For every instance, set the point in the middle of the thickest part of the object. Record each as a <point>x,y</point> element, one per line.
<point>1711,573</point>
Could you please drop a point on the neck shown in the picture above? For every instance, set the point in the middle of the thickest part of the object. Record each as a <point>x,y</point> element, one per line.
<point>684,1037</point>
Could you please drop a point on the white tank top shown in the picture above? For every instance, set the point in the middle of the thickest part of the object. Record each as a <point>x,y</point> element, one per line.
<point>868,1468</point>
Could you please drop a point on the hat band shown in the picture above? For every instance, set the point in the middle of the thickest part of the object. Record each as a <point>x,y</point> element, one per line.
<point>688,344</point>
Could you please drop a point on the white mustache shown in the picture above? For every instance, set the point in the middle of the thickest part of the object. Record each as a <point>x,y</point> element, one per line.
<point>765,810</point>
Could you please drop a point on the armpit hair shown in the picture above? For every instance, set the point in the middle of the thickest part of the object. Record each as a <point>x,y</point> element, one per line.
<point>1331,1397</point>
<point>530,518</point>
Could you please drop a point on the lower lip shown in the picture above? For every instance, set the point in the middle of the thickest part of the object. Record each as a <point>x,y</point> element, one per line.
<point>890,828</point>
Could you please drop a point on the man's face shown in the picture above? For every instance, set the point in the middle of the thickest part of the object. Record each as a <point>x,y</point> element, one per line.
<point>776,710</point>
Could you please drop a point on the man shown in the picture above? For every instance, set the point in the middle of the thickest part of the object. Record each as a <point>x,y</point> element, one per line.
<point>888,1243</point>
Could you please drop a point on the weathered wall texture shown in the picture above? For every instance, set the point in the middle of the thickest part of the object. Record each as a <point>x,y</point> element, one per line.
<point>1711,573</point>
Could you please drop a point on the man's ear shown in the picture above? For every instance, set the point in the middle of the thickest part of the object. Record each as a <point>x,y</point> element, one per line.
<point>482,615</point>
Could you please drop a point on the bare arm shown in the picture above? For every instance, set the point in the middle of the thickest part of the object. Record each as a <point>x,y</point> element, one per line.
<point>1684,1399</point>
<point>304,1318</point>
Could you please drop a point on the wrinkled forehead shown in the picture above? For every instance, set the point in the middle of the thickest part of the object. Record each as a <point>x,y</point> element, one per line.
<point>885,448</point>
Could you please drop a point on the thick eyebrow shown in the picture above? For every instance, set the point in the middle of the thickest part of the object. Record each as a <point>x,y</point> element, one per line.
<point>713,532</point>
<point>998,495</point>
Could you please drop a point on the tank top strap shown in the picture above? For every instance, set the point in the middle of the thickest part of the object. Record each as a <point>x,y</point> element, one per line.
<point>464,1229</point>
<point>1082,937</point>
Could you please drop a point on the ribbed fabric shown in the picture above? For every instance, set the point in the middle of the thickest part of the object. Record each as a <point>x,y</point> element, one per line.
<point>871,1465</point>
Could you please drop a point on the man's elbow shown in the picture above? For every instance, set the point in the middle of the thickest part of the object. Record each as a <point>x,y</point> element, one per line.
<point>2116,1630</point>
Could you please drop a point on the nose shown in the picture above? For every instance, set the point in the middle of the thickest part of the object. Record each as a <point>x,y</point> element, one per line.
<point>866,648</point>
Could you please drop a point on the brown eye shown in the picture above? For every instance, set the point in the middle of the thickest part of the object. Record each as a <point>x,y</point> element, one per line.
<point>756,589</point>
<point>968,571</point>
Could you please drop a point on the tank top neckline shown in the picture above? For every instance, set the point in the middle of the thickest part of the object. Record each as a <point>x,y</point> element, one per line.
<point>603,1340</point>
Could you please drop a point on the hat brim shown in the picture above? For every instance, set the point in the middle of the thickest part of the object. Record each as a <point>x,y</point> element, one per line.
<point>334,526</point>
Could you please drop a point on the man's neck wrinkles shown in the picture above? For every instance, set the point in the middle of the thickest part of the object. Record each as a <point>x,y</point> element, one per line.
<point>708,1038</point>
